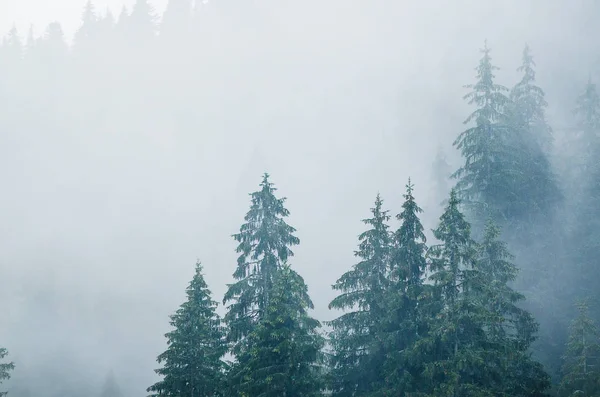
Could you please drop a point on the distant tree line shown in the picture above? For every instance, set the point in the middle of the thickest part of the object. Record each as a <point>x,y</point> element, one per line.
<point>449,318</point>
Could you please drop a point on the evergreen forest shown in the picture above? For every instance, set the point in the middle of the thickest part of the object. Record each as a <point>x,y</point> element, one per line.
<point>480,279</point>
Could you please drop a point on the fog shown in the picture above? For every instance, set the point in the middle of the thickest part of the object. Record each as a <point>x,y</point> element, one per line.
<point>104,217</point>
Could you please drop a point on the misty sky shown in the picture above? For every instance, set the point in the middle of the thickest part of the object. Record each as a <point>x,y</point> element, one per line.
<point>342,100</point>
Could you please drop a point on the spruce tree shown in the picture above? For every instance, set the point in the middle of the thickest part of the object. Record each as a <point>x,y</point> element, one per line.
<point>533,139</point>
<point>88,30</point>
<point>5,368</point>
<point>455,343</point>
<point>530,103</point>
<point>358,354</point>
<point>581,369</point>
<point>142,21</point>
<point>265,242</point>
<point>404,321</point>
<point>280,356</point>
<point>585,236</point>
<point>510,330</point>
<point>487,180</point>
<point>12,47</point>
<point>11,61</point>
<point>193,365</point>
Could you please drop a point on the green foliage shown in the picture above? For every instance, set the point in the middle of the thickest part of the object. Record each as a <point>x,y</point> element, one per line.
<point>5,368</point>
<point>280,356</point>
<point>264,247</point>
<point>358,354</point>
<point>510,330</point>
<point>456,335</point>
<point>532,140</point>
<point>193,365</point>
<point>405,321</point>
<point>478,339</point>
<point>486,180</point>
<point>530,103</point>
<point>585,234</point>
<point>581,370</point>
<point>506,175</point>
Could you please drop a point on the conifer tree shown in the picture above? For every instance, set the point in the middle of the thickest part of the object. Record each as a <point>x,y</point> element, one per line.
<point>87,32</point>
<point>533,140</point>
<point>530,103</point>
<point>358,354</point>
<point>142,22</point>
<point>265,242</point>
<point>583,142</point>
<point>456,337</point>
<point>510,330</point>
<point>31,41</point>
<point>5,368</point>
<point>12,46</point>
<point>193,365</point>
<point>404,321</point>
<point>581,369</point>
<point>585,236</point>
<point>486,182</point>
<point>280,356</point>
<point>11,60</point>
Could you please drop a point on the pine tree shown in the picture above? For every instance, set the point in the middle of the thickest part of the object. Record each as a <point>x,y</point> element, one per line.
<point>5,368</point>
<point>280,356</point>
<point>264,246</point>
<point>358,355</point>
<point>581,370</point>
<point>193,365</point>
<point>486,182</point>
<point>404,321</point>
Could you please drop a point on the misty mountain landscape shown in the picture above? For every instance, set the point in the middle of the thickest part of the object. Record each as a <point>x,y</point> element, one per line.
<point>299,198</point>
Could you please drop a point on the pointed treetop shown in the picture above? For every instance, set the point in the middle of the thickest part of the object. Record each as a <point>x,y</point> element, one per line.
<point>408,260</point>
<point>265,182</point>
<point>108,17</point>
<point>409,189</point>
<point>486,94</point>
<point>588,108</point>
<point>527,66</point>
<point>89,13</point>
<point>123,15</point>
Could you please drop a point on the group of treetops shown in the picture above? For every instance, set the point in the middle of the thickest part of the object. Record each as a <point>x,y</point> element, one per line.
<point>417,319</point>
<point>443,319</point>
